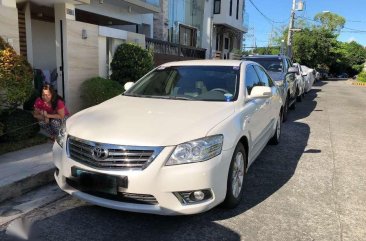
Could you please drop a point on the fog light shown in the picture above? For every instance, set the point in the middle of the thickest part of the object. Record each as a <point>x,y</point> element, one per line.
<point>193,197</point>
<point>197,195</point>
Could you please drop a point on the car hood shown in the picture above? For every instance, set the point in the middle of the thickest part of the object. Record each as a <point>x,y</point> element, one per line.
<point>148,121</point>
<point>277,76</point>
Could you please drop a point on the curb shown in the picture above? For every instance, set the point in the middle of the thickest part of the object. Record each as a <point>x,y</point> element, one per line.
<point>26,184</point>
<point>359,83</point>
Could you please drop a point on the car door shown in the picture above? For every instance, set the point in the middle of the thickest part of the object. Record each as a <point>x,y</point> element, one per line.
<point>254,117</point>
<point>269,109</point>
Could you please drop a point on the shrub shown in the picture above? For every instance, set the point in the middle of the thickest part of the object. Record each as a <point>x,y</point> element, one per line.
<point>15,77</point>
<point>130,62</point>
<point>362,76</point>
<point>28,104</point>
<point>97,89</point>
<point>2,127</point>
<point>19,125</point>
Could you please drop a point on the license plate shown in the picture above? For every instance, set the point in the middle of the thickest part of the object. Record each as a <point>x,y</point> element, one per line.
<point>95,182</point>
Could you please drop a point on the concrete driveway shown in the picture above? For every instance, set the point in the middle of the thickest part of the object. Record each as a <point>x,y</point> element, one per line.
<point>310,187</point>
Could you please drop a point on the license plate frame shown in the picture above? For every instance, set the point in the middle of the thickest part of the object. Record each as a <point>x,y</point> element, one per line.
<point>89,181</point>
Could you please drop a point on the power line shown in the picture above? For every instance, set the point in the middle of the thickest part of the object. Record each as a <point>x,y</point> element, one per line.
<point>347,28</point>
<point>265,16</point>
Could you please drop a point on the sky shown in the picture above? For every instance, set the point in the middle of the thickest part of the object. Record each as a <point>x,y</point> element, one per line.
<point>279,12</point>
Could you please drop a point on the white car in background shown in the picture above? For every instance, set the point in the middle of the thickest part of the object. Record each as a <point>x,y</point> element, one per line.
<point>179,141</point>
<point>300,76</point>
<point>309,77</point>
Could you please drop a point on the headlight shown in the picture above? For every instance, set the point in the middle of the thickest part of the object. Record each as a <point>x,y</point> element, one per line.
<point>61,134</point>
<point>196,151</point>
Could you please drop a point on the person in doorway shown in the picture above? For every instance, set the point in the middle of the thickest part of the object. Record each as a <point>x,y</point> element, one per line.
<point>50,111</point>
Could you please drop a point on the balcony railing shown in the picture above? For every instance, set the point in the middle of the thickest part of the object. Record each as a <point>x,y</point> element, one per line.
<point>164,47</point>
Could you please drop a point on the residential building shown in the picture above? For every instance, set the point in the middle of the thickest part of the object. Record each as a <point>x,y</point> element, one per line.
<point>214,25</point>
<point>73,40</point>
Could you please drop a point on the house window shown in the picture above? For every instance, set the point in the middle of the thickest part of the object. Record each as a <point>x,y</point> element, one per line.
<point>231,7</point>
<point>217,6</point>
<point>237,9</point>
<point>187,35</point>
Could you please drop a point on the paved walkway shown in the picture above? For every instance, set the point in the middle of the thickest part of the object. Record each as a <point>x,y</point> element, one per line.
<point>24,170</point>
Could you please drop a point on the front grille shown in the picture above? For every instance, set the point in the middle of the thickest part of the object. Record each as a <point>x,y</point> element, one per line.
<point>115,156</point>
<point>121,196</point>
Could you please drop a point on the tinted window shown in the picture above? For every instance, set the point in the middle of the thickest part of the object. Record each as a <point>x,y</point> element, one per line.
<point>251,79</point>
<point>270,64</point>
<point>264,78</point>
<point>209,83</point>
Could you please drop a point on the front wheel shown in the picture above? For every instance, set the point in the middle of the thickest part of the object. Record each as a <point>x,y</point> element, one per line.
<point>235,178</point>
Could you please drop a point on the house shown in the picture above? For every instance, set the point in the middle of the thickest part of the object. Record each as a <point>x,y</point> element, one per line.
<point>74,39</point>
<point>214,27</point>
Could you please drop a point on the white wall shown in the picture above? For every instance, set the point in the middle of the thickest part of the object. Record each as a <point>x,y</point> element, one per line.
<point>44,47</point>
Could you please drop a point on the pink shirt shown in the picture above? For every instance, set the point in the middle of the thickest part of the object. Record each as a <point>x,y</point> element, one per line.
<point>41,105</point>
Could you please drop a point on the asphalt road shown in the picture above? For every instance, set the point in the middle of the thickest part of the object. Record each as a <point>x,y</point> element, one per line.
<point>310,187</point>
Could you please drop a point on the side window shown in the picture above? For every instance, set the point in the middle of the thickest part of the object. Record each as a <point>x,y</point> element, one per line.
<point>251,79</point>
<point>265,80</point>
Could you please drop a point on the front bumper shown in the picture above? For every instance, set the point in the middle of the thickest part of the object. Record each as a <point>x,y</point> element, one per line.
<point>157,180</point>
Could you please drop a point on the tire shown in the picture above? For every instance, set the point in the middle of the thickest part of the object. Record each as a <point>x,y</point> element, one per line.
<point>275,140</point>
<point>235,178</point>
<point>285,111</point>
<point>299,97</point>
<point>293,106</point>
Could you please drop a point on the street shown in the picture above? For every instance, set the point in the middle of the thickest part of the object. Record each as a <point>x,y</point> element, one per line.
<point>312,186</point>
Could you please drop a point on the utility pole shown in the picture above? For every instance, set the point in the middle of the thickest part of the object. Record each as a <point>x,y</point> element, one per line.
<point>291,26</point>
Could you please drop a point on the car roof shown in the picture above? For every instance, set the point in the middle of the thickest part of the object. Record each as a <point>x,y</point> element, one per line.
<point>265,56</point>
<point>204,62</point>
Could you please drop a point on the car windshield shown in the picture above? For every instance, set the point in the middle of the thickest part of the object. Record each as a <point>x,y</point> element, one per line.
<point>205,83</point>
<point>270,64</point>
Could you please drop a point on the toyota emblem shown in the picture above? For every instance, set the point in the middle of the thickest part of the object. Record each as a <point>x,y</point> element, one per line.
<point>99,153</point>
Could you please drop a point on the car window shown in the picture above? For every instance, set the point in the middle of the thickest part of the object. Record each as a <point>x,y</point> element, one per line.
<point>207,83</point>
<point>270,64</point>
<point>251,79</point>
<point>289,63</point>
<point>265,80</point>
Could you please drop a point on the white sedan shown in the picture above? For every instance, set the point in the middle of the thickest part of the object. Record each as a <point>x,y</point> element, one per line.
<point>179,141</point>
<point>309,77</point>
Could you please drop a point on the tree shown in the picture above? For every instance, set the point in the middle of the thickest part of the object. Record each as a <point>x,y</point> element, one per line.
<point>313,47</point>
<point>330,21</point>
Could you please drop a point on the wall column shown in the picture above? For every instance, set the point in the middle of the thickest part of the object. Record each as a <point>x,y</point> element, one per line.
<point>9,23</point>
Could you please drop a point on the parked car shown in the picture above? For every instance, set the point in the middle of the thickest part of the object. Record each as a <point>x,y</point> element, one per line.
<point>179,141</point>
<point>309,77</point>
<point>277,67</point>
<point>300,76</point>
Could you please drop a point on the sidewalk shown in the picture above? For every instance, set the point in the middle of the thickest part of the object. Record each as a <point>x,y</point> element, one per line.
<point>24,170</point>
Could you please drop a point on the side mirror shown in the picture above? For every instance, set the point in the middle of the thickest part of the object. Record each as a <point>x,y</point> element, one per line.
<point>279,83</point>
<point>128,85</point>
<point>293,70</point>
<point>260,92</point>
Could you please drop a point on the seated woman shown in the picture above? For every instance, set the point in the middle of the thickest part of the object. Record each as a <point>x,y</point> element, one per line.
<point>50,111</point>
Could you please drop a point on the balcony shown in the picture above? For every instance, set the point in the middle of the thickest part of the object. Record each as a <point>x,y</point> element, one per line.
<point>166,51</point>
<point>144,6</point>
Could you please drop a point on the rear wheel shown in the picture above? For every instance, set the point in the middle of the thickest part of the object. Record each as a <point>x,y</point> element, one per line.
<point>235,178</point>
<point>299,97</point>
<point>285,111</point>
<point>277,135</point>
